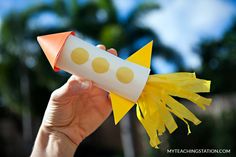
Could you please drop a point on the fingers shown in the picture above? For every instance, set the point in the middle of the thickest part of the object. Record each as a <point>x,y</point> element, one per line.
<point>81,82</point>
<point>103,47</point>
<point>72,87</point>
<point>111,50</point>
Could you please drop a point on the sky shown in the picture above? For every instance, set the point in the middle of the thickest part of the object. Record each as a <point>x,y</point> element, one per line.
<point>183,24</point>
<point>180,24</point>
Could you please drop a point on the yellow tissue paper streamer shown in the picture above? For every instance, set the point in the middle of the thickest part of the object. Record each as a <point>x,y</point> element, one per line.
<point>156,105</point>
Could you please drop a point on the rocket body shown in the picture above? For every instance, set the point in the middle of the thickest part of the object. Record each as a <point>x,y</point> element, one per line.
<point>109,72</point>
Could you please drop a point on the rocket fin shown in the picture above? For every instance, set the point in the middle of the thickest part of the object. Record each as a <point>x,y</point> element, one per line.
<point>120,106</point>
<point>142,56</point>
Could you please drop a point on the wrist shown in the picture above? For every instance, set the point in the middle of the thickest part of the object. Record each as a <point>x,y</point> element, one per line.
<point>53,143</point>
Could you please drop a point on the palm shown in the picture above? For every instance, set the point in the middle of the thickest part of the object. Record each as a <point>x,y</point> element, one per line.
<point>78,116</point>
<point>91,108</point>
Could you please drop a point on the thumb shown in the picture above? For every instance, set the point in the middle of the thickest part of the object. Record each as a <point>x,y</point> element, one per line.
<point>73,87</point>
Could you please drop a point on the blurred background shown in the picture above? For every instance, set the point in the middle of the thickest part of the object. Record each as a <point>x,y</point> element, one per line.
<point>196,35</point>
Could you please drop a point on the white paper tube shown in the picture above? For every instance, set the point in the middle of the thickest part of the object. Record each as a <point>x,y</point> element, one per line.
<point>109,72</point>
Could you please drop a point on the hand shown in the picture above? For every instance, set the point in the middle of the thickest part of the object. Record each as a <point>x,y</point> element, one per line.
<point>76,109</point>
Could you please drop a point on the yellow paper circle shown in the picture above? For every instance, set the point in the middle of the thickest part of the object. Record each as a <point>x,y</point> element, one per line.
<point>79,56</point>
<point>125,75</point>
<point>100,65</point>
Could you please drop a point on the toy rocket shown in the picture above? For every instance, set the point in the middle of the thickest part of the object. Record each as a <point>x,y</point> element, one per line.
<point>128,82</point>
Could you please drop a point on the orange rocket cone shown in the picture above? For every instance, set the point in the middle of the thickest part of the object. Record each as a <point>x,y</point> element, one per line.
<point>52,45</point>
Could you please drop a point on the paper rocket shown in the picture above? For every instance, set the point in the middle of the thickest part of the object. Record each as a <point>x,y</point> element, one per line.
<point>128,82</point>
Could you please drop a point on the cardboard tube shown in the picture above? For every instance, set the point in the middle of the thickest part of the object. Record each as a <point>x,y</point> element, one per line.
<point>108,71</point>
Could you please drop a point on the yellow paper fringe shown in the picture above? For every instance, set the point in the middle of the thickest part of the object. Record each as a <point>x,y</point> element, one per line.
<point>155,104</point>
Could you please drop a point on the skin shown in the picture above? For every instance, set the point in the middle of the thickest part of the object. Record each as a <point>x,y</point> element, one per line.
<point>74,111</point>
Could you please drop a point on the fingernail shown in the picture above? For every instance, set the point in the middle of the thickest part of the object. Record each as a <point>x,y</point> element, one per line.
<point>111,49</point>
<point>103,47</point>
<point>84,85</point>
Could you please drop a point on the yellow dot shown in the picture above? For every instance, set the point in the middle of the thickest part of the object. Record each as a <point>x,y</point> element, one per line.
<point>79,56</point>
<point>100,65</point>
<point>125,75</point>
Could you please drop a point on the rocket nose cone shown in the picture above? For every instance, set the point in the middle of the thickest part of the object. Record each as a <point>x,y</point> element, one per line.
<point>52,45</point>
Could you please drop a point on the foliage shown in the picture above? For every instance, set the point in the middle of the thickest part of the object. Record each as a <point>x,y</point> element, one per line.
<point>218,62</point>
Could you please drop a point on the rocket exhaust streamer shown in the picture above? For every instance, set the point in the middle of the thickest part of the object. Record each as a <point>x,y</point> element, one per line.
<point>129,83</point>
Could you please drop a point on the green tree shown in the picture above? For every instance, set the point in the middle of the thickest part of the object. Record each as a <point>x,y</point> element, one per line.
<point>218,62</point>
